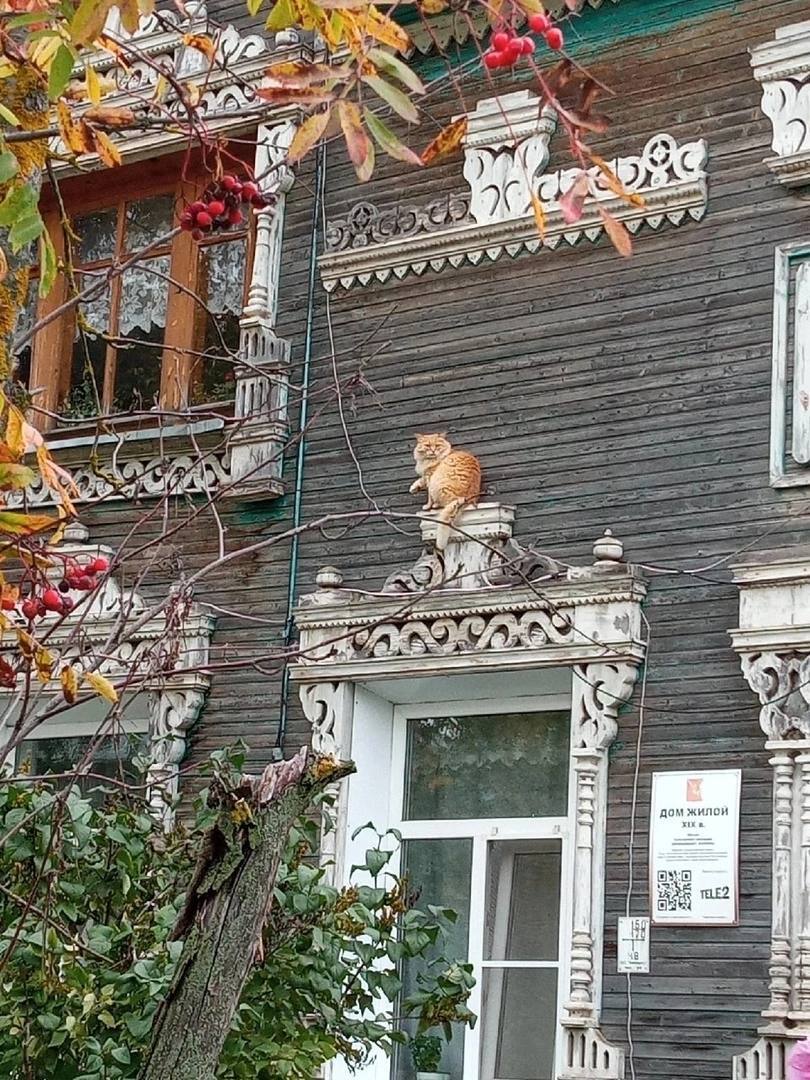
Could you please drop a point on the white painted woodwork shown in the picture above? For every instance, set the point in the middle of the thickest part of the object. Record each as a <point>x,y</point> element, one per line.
<point>773,642</point>
<point>506,151</point>
<point>461,623</point>
<point>782,67</point>
<point>801,365</point>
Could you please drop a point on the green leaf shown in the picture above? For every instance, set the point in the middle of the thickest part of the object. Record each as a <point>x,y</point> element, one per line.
<point>8,166</point>
<point>399,101</point>
<point>388,141</point>
<point>394,67</point>
<point>121,1054</point>
<point>47,263</point>
<point>254,6</point>
<point>49,1021</point>
<point>61,70</point>
<point>14,476</point>
<point>9,117</point>
<point>282,16</point>
<point>26,228</point>
<point>376,860</point>
<point>19,202</point>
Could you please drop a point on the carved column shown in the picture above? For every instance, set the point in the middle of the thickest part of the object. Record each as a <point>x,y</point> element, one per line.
<point>262,379</point>
<point>599,690</point>
<point>328,707</point>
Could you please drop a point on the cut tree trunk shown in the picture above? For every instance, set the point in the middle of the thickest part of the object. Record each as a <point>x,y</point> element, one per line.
<point>226,908</point>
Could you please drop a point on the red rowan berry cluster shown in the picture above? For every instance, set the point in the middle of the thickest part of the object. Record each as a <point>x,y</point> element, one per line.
<point>221,206</point>
<point>507,48</point>
<point>80,578</point>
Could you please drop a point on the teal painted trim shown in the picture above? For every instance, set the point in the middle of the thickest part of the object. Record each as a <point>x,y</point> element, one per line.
<point>597,29</point>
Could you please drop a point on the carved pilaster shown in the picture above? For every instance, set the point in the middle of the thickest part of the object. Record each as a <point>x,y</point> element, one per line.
<point>782,66</point>
<point>262,379</point>
<point>328,707</point>
<point>779,968</point>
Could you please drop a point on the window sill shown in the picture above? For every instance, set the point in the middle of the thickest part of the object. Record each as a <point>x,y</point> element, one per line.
<point>60,439</point>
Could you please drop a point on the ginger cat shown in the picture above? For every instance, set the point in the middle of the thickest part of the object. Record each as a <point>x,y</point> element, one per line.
<point>451,478</point>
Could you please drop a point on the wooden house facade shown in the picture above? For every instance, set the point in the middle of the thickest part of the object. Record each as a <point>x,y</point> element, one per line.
<point>631,597</point>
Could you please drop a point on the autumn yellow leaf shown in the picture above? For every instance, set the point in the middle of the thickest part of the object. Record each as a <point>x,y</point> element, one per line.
<point>108,117</point>
<point>107,150</point>
<point>539,215</point>
<point>358,144</point>
<point>614,183</point>
<point>93,84</point>
<point>202,43</point>
<point>16,523</point>
<point>308,135</point>
<point>372,23</point>
<point>448,140</point>
<point>101,685</point>
<point>69,679</point>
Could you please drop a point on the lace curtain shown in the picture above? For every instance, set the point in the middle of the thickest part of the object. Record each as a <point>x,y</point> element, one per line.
<point>144,297</point>
<point>224,266</point>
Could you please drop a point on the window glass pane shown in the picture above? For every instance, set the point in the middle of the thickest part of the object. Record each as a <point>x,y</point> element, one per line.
<point>89,353</point>
<point>25,320</point>
<point>222,286</point>
<point>141,327</point>
<point>147,220</point>
<point>96,234</point>
<point>504,765</point>
<point>441,870</point>
<point>113,757</point>
<point>223,276</point>
<point>518,1023</point>
<point>522,901</point>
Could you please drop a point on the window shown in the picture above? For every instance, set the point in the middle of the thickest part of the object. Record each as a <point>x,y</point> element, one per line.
<point>59,744</point>
<point>480,793</point>
<point>165,332</point>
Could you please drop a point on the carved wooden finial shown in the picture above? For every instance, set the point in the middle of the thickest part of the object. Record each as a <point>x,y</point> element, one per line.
<point>608,550</point>
<point>329,577</point>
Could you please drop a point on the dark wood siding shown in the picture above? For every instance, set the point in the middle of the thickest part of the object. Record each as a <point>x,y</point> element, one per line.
<point>600,392</point>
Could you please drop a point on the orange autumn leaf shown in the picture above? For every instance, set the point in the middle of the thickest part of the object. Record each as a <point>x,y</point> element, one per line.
<point>307,135</point>
<point>358,144</point>
<point>539,215</point>
<point>448,140</point>
<point>618,234</point>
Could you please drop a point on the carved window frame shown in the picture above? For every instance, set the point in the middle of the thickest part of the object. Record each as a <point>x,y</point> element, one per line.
<point>790,381</point>
<point>585,620</point>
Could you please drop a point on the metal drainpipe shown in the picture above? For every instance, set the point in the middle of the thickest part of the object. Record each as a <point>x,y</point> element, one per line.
<point>320,174</point>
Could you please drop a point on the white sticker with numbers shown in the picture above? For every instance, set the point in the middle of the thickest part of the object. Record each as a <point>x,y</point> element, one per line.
<point>634,946</point>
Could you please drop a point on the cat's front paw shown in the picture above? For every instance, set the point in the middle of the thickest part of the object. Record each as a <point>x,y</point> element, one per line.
<point>415,486</point>
<point>428,506</point>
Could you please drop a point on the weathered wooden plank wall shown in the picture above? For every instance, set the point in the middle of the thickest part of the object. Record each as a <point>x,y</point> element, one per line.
<point>604,393</point>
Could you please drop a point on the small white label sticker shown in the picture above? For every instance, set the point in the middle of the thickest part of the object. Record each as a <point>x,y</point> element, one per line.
<point>634,946</point>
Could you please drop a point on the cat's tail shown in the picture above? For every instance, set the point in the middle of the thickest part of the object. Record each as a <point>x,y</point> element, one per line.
<point>446,516</point>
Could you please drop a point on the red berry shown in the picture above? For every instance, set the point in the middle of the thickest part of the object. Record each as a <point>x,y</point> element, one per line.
<point>513,50</point>
<point>100,565</point>
<point>539,24</point>
<point>554,38</point>
<point>52,600</point>
<point>493,60</point>
<point>229,182</point>
<point>248,191</point>
<point>216,208</point>
<point>203,220</point>
<point>500,41</point>
<point>196,207</point>
<point>7,603</point>
<point>85,583</point>
<point>527,46</point>
<point>30,608</point>
<point>235,217</point>
<point>197,234</point>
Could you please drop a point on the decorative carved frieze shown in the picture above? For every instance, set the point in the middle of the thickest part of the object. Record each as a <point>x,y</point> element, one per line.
<point>124,477</point>
<point>163,44</point>
<point>505,154</point>
<point>773,641</point>
<point>782,66</point>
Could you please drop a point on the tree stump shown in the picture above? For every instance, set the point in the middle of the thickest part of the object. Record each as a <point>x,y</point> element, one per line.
<point>225,912</point>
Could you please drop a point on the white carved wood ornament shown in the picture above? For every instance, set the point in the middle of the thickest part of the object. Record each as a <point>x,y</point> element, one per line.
<point>163,655</point>
<point>487,604</point>
<point>505,158</point>
<point>227,84</point>
<point>773,642</point>
<point>782,67</point>
<point>790,366</point>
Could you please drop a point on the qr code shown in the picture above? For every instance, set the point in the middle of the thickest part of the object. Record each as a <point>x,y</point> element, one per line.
<point>674,890</point>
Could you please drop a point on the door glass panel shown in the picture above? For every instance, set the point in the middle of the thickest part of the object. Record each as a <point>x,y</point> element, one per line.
<point>522,901</point>
<point>441,871</point>
<point>506,765</point>
<point>518,1023</point>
